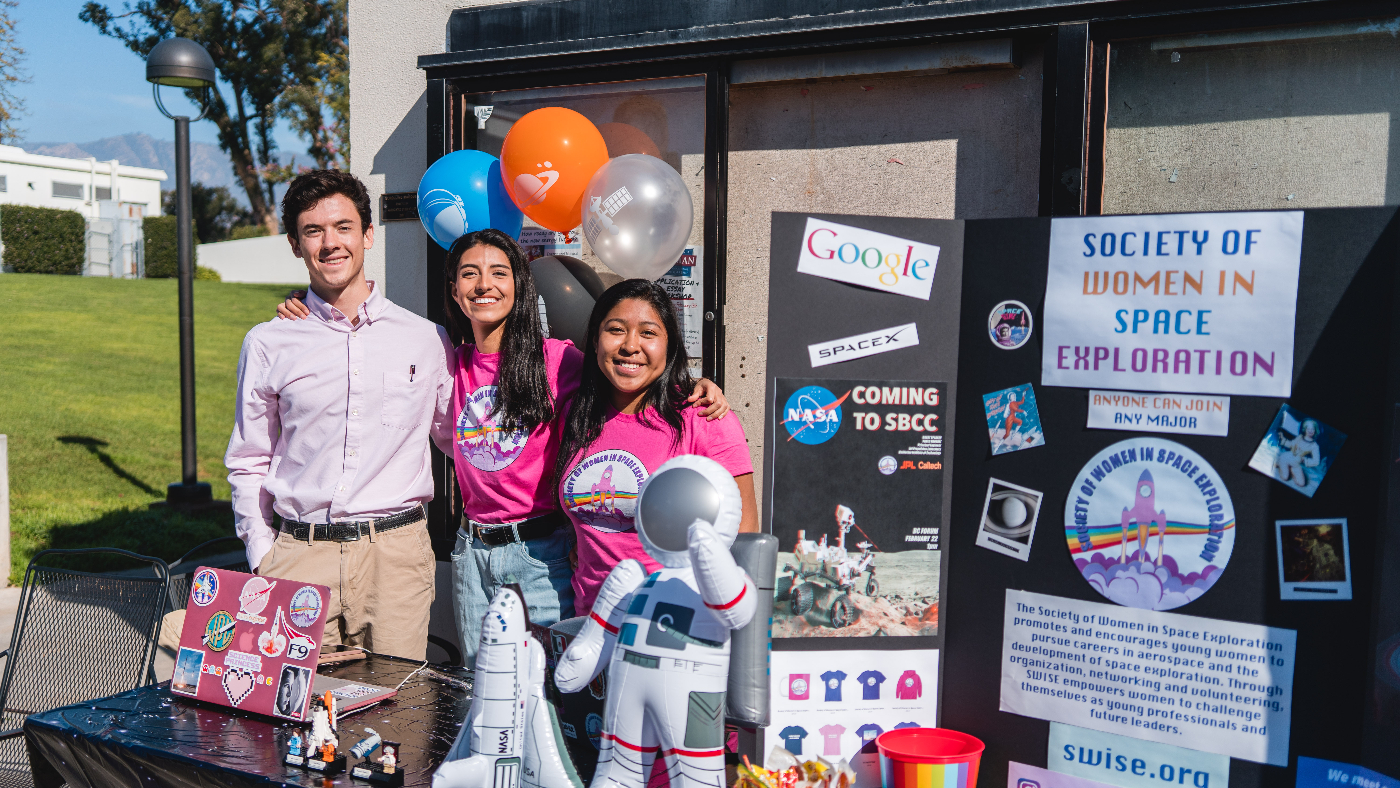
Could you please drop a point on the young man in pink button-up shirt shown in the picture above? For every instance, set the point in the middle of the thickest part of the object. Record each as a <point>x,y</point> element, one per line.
<point>329,459</point>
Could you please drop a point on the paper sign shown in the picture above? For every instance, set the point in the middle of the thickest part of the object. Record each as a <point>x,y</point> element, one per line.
<point>685,283</point>
<point>1200,303</point>
<point>1183,414</point>
<point>833,704</point>
<point>1020,775</point>
<point>1317,773</point>
<point>1201,683</point>
<point>861,345</point>
<point>869,259</point>
<point>1132,763</point>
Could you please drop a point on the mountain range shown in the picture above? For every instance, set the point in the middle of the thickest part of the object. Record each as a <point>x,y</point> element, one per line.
<point>208,164</point>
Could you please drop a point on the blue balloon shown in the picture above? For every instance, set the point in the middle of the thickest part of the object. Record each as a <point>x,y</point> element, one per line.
<point>462,193</point>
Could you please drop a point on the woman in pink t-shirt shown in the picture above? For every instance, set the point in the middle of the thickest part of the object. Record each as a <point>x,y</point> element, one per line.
<point>509,384</point>
<point>629,416</point>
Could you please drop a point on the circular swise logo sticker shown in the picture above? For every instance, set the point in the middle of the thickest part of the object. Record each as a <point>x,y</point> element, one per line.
<point>305,607</point>
<point>812,415</point>
<point>1009,325</point>
<point>480,439</point>
<point>1149,524</point>
<point>205,587</point>
<point>601,491</point>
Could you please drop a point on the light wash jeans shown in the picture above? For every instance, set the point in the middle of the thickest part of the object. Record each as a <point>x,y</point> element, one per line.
<point>540,566</point>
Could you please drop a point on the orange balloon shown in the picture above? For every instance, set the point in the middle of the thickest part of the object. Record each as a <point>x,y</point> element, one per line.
<point>623,139</point>
<point>547,159</point>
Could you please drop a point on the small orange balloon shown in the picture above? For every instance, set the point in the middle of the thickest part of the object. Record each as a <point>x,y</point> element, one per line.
<point>547,159</point>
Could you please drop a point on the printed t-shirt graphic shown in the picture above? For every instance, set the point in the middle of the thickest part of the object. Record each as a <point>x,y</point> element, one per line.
<point>906,725</point>
<point>599,490</point>
<point>870,682</point>
<point>832,679</point>
<point>867,734</point>
<point>831,734</point>
<point>909,687</point>
<point>799,686</point>
<point>792,737</point>
<point>505,476</point>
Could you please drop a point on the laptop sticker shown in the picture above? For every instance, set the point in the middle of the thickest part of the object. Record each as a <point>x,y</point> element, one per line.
<point>205,587</point>
<point>238,684</point>
<point>292,688</point>
<point>187,671</point>
<point>306,606</point>
<point>272,642</point>
<point>218,633</point>
<point>253,599</point>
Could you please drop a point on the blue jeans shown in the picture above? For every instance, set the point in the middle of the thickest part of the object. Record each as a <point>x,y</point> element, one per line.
<point>540,566</point>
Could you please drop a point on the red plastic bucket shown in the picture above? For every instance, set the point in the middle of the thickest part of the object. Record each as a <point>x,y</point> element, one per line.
<point>929,758</point>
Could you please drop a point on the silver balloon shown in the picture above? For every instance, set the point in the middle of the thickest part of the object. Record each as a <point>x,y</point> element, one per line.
<point>637,215</point>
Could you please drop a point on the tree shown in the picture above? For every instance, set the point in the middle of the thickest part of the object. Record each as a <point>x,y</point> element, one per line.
<point>328,90</point>
<point>216,212</point>
<point>262,49</point>
<point>11,74</point>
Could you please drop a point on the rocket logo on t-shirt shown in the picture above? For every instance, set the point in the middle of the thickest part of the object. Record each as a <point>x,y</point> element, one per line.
<point>480,439</point>
<point>602,490</point>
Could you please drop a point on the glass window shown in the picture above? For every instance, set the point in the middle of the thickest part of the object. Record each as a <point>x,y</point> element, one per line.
<point>103,192</point>
<point>1292,117</point>
<point>72,191</point>
<point>4,183</point>
<point>664,118</point>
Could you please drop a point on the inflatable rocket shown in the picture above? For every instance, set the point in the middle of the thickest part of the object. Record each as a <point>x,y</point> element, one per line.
<point>511,737</point>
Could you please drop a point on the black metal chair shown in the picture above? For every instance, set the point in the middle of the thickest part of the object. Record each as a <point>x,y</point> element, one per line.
<point>230,555</point>
<point>78,636</point>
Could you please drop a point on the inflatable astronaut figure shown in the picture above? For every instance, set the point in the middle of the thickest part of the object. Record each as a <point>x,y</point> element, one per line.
<point>664,638</point>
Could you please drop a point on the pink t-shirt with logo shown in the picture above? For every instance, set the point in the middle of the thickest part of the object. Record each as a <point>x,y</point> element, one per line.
<point>505,476</point>
<point>599,491</point>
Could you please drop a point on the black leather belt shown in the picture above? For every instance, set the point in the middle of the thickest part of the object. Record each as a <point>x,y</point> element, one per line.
<point>523,531</point>
<point>352,531</point>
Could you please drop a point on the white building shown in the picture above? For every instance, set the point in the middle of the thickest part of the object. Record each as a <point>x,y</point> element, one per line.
<point>112,198</point>
<point>75,184</point>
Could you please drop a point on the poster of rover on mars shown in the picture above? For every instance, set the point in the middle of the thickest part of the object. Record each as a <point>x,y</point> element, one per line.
<point>856,496</point>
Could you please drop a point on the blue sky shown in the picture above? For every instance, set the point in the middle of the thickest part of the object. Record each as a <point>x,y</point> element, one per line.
<point>85,86</point>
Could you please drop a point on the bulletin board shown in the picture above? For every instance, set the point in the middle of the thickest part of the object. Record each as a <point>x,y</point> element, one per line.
<point>1343,376</point>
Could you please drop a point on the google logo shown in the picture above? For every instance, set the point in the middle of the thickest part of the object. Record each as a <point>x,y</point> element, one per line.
<point>897,264</point>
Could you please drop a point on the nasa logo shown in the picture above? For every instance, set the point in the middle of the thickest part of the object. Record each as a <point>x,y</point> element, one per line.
<point>888,465</point>
<point>812,415</point>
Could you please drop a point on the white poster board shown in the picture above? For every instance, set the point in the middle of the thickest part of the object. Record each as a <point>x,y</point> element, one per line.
<point>1200,683</point>
<point>1198,303</point>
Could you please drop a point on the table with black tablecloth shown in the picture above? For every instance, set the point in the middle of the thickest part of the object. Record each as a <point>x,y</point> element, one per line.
<point>149,737</point>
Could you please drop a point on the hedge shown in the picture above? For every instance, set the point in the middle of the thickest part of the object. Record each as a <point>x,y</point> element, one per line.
<point>162,258</point>
<point>42,240</point>
<point>162,253</point>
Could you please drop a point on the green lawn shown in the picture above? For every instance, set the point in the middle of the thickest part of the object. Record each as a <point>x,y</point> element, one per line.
<point>90,400</point>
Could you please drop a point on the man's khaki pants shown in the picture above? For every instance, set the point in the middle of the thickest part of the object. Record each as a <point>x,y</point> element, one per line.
<point>381,589</point>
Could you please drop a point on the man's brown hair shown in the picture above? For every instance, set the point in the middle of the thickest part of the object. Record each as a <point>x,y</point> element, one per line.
<point>312,187</point>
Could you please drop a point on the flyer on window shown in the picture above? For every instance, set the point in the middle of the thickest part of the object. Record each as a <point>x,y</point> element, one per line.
<point>685,283</point>
<point>856,496</point>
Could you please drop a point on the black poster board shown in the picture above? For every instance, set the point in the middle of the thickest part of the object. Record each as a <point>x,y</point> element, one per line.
<point>1344,374</point>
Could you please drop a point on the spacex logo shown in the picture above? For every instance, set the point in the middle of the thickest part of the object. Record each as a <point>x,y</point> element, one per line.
<point>861,345</point>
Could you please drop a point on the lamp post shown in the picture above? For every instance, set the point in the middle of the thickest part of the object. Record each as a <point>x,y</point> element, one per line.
<point>182,63</point>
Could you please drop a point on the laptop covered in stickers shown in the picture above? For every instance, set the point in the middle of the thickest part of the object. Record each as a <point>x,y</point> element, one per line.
<point>252,642</point>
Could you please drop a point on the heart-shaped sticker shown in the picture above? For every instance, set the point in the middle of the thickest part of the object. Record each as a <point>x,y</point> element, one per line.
<point>238,684</point>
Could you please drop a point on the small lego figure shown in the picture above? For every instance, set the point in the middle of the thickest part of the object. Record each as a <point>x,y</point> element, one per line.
<point>390,759</point>
<point>294,744</point>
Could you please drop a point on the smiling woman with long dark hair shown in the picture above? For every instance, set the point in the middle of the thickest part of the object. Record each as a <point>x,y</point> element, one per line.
<point>628,417</point>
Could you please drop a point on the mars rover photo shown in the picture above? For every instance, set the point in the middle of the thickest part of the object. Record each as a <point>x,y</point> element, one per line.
<point>822,576</point>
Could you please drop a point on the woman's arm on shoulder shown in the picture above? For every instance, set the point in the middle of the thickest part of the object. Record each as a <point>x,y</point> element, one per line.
<point>710,397</point>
